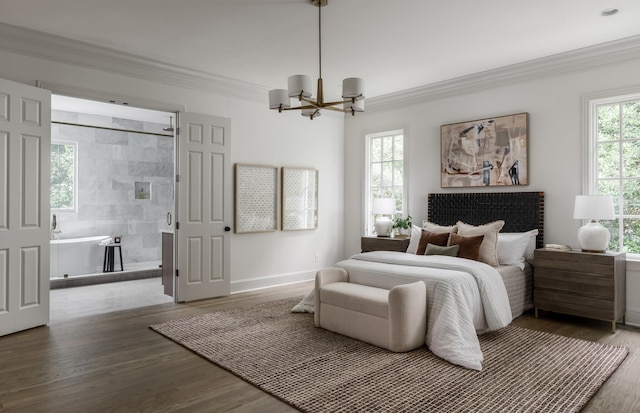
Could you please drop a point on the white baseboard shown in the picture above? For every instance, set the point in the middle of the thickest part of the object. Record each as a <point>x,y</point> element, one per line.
<point>632,317</point>
<point>271,281</point>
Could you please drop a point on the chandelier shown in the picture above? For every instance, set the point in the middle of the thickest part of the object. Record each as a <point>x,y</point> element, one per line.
<point>300,88</point>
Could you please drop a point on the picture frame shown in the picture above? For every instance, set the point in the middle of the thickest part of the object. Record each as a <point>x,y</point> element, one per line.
<point>256,198</point>
<point>485,152</point>
<point>299,199</point>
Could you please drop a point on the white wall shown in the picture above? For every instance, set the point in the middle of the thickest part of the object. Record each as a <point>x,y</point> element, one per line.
<point>555,142</point>
<point>555,139</point>
<point>258,136</point>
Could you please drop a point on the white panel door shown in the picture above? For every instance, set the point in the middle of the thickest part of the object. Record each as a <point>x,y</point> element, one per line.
<point>204,207</point>
<point>25,159</point>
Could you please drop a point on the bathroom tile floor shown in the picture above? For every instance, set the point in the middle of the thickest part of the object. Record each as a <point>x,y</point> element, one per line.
<point>75,302</point>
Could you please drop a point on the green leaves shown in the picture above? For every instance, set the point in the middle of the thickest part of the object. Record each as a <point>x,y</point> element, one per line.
<point>63,160</point>
<point>618,167</point>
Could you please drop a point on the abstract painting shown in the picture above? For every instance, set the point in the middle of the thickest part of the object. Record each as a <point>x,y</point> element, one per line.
<point>485,152</point>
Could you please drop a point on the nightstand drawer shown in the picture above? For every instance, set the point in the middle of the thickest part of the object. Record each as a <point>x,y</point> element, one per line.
<point>600,286</point>
<point>582,306</point>
<point>575,262</point>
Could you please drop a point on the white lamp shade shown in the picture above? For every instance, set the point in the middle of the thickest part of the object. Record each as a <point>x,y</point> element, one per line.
<point>311,113</point>
<point>353,87</point>
<point>593,207</point>
<point>383,206</point>
<point>357,106</point>
<point>279,98</point>
<point>299,84</point>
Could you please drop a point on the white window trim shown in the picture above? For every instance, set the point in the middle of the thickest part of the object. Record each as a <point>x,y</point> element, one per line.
<point>367,174</point>
<point>75,175</point>
<point>590,130</point>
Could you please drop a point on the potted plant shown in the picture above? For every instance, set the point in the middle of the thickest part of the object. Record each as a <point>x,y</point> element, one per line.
<point>402,225</point>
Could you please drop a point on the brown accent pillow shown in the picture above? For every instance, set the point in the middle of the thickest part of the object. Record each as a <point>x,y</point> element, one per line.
<point>469,246</point>
<point>431,238</point>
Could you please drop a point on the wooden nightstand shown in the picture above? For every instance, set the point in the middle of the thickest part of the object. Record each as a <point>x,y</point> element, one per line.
<point>581,283</point>
<point>384,244</point>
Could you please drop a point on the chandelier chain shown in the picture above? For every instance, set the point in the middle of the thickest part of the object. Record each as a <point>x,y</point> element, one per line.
<point>320,41</point>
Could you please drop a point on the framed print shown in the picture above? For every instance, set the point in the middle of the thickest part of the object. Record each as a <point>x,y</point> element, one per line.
<point>485,152</point>
<point>256,199</point>
<point>299,199</point>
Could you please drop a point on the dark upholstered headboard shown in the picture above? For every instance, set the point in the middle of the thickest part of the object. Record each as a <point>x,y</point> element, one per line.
<point>520,211</point>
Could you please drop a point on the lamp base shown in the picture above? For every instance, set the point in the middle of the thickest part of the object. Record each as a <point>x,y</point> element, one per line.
<point>593,237</point>
<point>383,226</point>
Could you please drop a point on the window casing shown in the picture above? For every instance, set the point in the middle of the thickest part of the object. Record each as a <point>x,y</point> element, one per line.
<point>613,164</point>
<point>64,176</point>
<point>384,172</point>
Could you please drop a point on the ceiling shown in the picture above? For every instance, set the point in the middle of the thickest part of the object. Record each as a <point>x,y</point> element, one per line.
<point>393,45</point>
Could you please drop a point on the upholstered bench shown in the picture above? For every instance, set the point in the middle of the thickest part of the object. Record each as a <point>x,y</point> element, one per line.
<point>393,319</point>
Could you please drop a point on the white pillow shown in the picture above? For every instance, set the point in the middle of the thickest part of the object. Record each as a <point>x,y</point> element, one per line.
<point>528,254</point>
<point>516,248</point>
<point>416,232</point>
<point>488,247</point>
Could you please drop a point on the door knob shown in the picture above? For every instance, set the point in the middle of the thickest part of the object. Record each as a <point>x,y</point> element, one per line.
<point>227,229</point>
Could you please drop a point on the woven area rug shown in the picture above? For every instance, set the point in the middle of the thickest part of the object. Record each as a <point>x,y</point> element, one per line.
<point>318,371</point>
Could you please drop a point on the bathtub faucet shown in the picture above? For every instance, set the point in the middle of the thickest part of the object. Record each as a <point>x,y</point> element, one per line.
<point>55,232</point>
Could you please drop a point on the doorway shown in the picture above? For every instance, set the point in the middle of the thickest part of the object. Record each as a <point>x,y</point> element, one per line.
<point>112,190</point>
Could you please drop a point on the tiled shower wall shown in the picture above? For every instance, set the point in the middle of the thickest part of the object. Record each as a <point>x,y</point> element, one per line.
<point>109,164</point>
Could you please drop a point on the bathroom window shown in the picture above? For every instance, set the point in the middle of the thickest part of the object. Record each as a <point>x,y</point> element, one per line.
<point>64,175</point>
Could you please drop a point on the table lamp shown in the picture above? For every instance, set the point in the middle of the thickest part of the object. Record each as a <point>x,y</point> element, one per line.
<point>592,236</point>
<point>383,207</point>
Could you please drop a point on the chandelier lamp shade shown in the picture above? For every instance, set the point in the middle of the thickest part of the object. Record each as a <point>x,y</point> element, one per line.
<point>300,88</point>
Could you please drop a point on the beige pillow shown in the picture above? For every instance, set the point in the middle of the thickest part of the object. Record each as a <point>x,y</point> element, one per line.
<point>488,249</point>
<point>439,229</point>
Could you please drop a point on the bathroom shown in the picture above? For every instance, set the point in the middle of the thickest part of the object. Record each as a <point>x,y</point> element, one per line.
<point>112,170</point>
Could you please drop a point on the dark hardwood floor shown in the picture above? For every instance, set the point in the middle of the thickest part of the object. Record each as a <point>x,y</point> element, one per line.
<point>112,362</point>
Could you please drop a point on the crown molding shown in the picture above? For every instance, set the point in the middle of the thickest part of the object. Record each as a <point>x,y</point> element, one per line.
<point>60,49</point>
<point>576,60</point>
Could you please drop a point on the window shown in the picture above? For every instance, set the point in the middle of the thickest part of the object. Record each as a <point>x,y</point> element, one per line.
<point>614,165</point>
<point>64,175</point>
<point>384,173</point>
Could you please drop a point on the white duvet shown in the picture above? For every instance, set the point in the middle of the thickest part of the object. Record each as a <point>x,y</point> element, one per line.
<point>464,297</point>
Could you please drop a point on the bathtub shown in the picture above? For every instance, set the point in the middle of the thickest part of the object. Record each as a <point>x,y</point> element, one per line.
<point>76,256</point>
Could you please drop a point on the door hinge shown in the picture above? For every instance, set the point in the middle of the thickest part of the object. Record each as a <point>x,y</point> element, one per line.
<point>177,178</point>
<point>177,131</point>
<point>177,225</point>
<point>177,273</point>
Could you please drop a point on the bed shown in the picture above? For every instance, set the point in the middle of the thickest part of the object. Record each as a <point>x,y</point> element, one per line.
<point>521,212</point>
<point>465,297</point>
